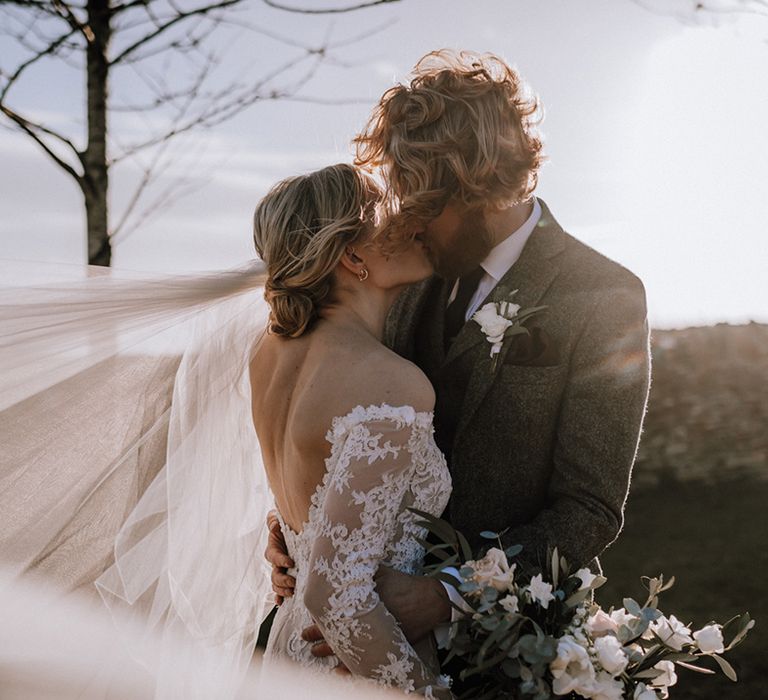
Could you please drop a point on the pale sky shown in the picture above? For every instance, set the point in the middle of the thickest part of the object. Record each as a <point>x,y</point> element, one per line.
<point>655,133</point>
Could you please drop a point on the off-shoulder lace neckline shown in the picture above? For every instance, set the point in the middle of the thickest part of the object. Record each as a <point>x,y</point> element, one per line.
<point>382,411</point>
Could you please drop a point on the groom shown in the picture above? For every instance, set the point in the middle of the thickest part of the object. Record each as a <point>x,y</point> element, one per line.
<point>540,444</point>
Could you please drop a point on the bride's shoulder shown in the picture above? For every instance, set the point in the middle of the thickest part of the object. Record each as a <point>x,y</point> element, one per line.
<point>374,375</point>
<point>398,382</point>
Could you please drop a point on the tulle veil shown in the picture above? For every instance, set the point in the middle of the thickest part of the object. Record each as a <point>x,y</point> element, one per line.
<point>129,464</point>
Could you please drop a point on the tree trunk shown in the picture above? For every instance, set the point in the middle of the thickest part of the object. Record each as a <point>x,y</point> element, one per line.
<point>96,170</point>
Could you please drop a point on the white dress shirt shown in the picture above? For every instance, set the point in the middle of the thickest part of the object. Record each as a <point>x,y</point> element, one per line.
<point>496,265</point>
<point>499,260</point>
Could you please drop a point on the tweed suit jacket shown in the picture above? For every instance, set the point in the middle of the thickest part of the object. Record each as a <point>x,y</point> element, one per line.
<point>543,446</point>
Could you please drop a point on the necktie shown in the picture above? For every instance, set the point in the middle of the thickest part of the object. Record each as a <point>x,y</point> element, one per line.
<point>457,309</point>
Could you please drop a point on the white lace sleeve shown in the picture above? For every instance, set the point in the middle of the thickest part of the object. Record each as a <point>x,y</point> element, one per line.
<point>372,467</point>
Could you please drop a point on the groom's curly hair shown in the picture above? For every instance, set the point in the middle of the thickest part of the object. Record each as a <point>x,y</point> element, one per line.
<point>463,129</point>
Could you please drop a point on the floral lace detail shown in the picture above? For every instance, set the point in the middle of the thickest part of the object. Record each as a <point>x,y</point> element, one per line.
<point>383,461</point>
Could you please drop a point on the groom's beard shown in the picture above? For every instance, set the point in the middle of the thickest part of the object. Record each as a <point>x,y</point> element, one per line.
<point>458,253</point>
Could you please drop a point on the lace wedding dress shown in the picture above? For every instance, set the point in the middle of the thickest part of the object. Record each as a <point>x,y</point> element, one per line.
<point>383,461</point>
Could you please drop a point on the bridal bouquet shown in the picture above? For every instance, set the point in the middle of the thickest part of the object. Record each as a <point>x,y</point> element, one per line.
<point>543,637</point>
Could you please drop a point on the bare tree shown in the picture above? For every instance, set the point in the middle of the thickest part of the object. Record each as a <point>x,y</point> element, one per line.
<point>140,38</point>
<point>697,11</point>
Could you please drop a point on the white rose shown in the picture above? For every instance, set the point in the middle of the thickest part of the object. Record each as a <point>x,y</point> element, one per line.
<point>610,654</point>
<point>601,623</point>
<point>622,617</point>
<point>587,577</point>
<point>571,669</point>
<point>485,314</point>
<point>508,309</point>
<point>672,632</point>
<point>510,604</point>
<point>668,676</point>
<point>604,687</point>
<point>643,692</point>
<point>493,570</point>
<point>540,591</point>
<point>491,323</point>
<point>709,639</point>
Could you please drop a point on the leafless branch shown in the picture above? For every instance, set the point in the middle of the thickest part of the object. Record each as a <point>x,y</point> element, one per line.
<point>50,50</point>
<point>330,102</point>
<point>327,10</point>
<point>65,11</point>
<point>179,187</point>
<point>149,173</point>
<point>40,6</point>
<point>165,26</point>
<point>175,191</point>
<point>122,7</point>
<point>31,129</point>
<point>218,111</point>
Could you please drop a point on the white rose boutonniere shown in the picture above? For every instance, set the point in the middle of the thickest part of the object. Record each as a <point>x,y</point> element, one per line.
<point>500,320</point>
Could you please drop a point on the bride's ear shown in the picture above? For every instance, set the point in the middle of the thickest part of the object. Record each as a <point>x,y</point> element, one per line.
<point>352,262</point>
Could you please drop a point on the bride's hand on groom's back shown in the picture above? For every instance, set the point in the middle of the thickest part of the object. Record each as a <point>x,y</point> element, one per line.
<point>276,554</point>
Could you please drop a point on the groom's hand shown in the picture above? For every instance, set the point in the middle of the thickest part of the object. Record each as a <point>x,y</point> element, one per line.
<point>419,603</point>
<point>277,555</point>
<point>321,648</point>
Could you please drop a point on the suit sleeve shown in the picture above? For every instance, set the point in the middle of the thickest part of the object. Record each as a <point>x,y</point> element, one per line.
<point>597,433</point>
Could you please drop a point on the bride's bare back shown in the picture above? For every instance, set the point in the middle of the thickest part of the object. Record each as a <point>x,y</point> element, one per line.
<point>304,383</point>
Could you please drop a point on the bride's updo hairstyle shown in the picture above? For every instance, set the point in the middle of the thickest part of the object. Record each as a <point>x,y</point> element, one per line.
<point>301,229</point>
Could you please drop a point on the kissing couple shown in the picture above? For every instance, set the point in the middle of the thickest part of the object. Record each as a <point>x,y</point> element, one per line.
<point>418,334</point>
<point>387,382</point>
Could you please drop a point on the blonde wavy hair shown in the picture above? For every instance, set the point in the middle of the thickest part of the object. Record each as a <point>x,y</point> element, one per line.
<point>301,229</point>
<point>464,128</point>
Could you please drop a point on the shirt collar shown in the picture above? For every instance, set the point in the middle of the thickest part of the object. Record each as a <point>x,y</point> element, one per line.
<point>507,253</point>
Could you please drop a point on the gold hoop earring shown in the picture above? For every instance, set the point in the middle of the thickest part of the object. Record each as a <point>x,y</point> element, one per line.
<point>363,274</point>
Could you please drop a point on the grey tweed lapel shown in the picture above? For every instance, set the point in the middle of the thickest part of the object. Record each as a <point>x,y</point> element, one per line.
<point>532,275</point>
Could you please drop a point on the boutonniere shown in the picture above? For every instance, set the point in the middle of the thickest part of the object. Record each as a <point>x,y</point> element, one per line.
<point>502,319</point>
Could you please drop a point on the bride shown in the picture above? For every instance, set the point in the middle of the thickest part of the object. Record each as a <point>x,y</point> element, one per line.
<point>145,471</point>
<point>345,424</point>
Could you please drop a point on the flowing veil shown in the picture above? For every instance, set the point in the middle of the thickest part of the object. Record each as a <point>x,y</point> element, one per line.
<point>129,459</point>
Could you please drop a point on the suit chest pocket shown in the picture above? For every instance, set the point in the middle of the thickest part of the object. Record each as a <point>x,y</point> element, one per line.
<point>524,375</point>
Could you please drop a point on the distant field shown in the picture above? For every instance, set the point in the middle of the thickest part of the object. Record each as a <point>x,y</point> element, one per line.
<point>713,539</point>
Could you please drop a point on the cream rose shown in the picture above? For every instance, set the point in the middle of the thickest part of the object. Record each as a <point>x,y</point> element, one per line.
<point>601,623</point>
<point>610,654</point>
<point>709,639</point>
<point>672,632</point>
<point>604,687</point>
<point>493,570</point>
<point>668,676</point>
<point>622,617</point>
<point>571,669</point>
